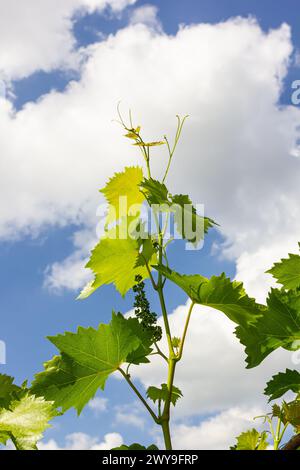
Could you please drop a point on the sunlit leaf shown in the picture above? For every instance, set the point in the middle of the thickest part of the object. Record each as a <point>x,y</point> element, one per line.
<point>279,326</point>
<point>123,194</point>
<point>219,293</point>
<point>162,394</point>
<point>87,359</point>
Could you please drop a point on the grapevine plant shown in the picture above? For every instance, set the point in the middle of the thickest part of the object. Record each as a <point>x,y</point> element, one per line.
<point>128,254</point>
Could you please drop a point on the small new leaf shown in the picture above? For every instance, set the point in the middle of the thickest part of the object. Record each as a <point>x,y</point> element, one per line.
<point>162,394</point>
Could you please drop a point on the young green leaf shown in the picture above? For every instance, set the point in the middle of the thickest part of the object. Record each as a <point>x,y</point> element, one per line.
<point>139,355</point>
<point>279,326</point>
<point>176,342</point>
<point>282,383</point>
<point>287,271</point>
<point>251,440</point>
<point>162,394</point>
<point>154,191</point>
<point>114,261</point>
<point>292,413</point>
<point>25,421</point>
<point>147,252</point>
<point>124,184</point>
<point>7,390</point>
<point>198,225</point>
<point>219,292</point>
<point>189,224</point>
<point>87,358</point>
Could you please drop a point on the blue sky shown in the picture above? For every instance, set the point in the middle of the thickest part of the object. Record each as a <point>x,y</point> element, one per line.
<point>31,311</point>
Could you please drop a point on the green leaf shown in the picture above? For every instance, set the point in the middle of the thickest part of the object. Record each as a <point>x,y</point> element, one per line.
<point>136,446</point>
<point>276,411</point>
<point>189,224</point>
<point>7,390</point>
<point>114,261</point>
<point>282,383</point>
<point>219,292</point>
<point>147,254</point>
<point>133,133</point>
<point>162,394</point>
<point>292,413</point>
<point>176,342</point>
<point>252,440</point>
<point>139,355</point>
<point>279,326</point>
<point>287,271</point>
<point>26,420</point>
<point>124,185</point>
<point>155,192</point>
<point>87,358</point>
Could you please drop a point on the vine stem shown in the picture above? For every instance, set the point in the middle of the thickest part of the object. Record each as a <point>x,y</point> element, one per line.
<point>127,378</point>
<point>185,331</point>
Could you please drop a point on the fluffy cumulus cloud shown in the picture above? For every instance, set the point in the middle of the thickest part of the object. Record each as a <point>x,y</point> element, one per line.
<point>148,15</point>
<point>217,432</point>
<point>130,414</point>
<point>37,35</point>
<point>82,441</point>
<point>236,156</point>
<point>98,405</point>
<point>237,145</point>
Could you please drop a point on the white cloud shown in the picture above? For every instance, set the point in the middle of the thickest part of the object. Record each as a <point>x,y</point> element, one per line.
<point>212,374</point>
<point>58,152</point>
<point>148,15</point>
<point>70,273</point>
<point>37,35</point>
<point>129,414</point>
<point>235,157</point>
<point>218,432</point>
<point>82,441</point>
<point>98,405</point>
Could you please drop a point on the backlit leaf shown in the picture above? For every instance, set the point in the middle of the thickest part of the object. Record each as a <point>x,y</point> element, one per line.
<point>219,292</point>
<point>114,261</point>
<point>162,394</point>
<point>123,194</point>
<point>279,326</point>
<point>87,359</point>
